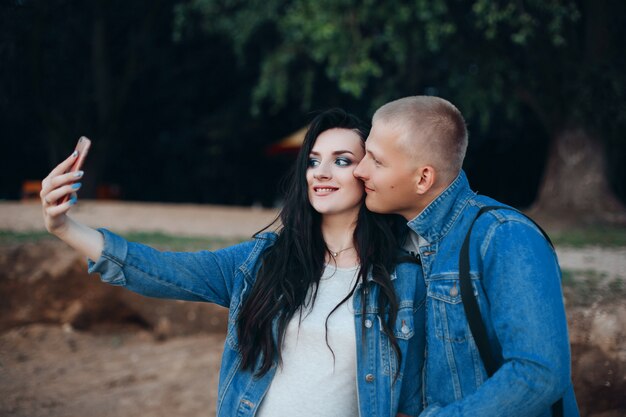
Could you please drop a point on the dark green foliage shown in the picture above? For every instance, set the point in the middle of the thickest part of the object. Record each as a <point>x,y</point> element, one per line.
<point>545,66</point>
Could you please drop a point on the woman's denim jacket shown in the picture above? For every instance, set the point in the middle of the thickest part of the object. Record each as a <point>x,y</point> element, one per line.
<point>225,276</point>
<point>516,280</point>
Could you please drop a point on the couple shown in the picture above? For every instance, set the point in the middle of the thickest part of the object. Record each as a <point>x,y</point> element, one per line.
<point>331,316</point>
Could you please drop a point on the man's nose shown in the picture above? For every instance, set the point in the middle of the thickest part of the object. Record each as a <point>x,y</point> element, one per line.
<point>360,170</point>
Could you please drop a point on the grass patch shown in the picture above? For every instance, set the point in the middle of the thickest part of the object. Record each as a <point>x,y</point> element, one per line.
<point>576,238</point>
<point>590,236</point>
<point>587,287</point>
<point>568,278</point>
<point>168,242</point>
<point>161,241</point>
<point>8,237</point>
<point>618,286</point>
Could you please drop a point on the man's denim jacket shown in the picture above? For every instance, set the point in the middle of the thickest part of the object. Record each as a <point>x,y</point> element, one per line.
<point>225,276</point>
<point>516,280</point>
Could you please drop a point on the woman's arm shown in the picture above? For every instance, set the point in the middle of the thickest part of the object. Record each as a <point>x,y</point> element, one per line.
<point>198,276</point>
<point>191,276</point>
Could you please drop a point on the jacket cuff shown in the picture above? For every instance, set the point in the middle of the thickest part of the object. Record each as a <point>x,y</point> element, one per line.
<point>111,262</point>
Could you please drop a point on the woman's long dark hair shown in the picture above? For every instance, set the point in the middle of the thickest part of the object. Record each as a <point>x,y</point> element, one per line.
<point>295,263</point>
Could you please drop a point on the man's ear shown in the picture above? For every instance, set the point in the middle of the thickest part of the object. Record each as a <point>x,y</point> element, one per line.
<point>424,179</point>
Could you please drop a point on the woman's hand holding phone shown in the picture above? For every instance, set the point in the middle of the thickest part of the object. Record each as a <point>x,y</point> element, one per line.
<point>58,189</point>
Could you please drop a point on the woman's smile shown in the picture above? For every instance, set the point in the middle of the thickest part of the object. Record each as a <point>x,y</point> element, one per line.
<point>324,190</point>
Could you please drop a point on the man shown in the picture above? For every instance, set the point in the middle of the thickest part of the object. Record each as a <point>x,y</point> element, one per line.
<point>412,167</point>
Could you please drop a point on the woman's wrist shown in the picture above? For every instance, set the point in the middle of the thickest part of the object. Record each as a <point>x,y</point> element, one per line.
<point>63,231</point>
<point>83,238</point>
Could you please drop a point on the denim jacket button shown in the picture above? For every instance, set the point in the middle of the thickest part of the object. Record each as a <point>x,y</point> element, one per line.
<point>405,329</point>
<point>368,323</point>
<point>369,377</point>
<point>453,291</point>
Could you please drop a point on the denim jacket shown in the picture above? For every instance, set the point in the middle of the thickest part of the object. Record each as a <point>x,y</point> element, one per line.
<point>225,276</point>
<point>516,280</point>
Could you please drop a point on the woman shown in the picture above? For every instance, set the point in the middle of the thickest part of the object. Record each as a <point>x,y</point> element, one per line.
<point>323,318</point>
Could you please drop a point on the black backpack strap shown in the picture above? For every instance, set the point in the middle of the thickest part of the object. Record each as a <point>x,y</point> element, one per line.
<point>472,311</point>
<point>470,304</point>
<point>557,408</point>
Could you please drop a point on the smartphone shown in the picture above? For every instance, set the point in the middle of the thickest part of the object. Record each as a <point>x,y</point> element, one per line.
<point>82,147</point>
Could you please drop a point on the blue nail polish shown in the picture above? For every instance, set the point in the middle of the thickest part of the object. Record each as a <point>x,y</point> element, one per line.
<point>76,186</point>
<point>78,174</point>
<point>74,154</point>
<point>73,201</point>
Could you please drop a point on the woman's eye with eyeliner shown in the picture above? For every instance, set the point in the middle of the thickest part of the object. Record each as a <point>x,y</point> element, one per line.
<point>343,162</point>
<point>313,162</point>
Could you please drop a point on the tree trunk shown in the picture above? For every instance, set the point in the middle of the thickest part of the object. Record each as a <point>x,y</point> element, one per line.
<point>574,185</point>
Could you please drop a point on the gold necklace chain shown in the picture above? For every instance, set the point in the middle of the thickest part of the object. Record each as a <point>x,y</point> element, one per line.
<point>335,254</point>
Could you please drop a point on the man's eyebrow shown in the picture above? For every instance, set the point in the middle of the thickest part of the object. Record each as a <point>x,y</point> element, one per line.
<point>334,153</point>
<point>372,154</point>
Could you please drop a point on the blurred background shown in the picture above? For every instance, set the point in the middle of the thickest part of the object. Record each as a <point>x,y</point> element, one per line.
<point>185,101</point>
<point>196,108</point>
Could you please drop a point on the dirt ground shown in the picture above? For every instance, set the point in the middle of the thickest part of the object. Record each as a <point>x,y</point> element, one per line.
<point>55,371</point>
<point>72,346</point>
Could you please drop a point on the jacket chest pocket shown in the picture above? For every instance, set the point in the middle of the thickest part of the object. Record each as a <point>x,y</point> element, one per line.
<point>446,312</point>
<point>403,330</point>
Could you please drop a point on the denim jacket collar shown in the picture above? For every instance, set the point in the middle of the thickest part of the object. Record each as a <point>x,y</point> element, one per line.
<point>436,219</point>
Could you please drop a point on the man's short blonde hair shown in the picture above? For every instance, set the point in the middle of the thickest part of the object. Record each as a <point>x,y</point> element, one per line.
<point>433,131</point>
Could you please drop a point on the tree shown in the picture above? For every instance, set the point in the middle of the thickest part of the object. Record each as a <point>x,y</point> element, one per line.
<point>560,60</point>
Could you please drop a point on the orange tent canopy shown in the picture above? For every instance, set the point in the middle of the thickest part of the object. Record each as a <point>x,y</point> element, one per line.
<point>289,145</point>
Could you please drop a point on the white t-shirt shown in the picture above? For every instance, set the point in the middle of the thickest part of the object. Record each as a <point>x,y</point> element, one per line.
<point>413,242</point>
<point>310,383</point>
